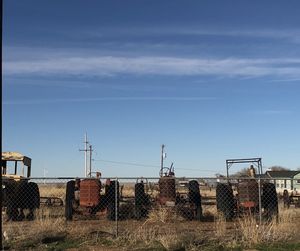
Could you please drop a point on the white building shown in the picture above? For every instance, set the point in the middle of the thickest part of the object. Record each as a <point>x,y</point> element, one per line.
<point>284,180</point>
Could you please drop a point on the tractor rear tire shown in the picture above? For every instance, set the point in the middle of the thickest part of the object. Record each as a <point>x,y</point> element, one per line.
<point>33,199</point>
<point>22,194</point>
<point>113,197</point>
<point>141,200</point>
<point>22,198</point>
<point>11,202</point>
<point>270,200</point>
<point>70,196</point>
<point>225,200</point>
<point>195,198</point>
<point>139,194</point>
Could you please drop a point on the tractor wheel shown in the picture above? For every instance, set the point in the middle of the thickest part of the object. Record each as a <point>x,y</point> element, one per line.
<point>11,205</point>
<point>139,194</point>
<point>22,194</point>
<point>225,200</point>
<point>70,196</point>
<point>198,213</point>
<point>22,198</point>
<point>33,199</point>
<point>111,212</point>
<point>112,195</point>
<point>194,192</point>
<point>270,200</point>
<point>138,212</point>
<point>141,201</point>
<point>195,198</point>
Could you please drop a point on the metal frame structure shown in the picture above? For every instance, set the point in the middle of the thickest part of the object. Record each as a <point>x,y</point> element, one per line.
<point>256,161</point>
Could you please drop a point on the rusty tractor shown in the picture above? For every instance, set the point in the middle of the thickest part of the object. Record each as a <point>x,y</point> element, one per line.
<point>252,196</point>
<point>188,204</point>
<point>89,197</point>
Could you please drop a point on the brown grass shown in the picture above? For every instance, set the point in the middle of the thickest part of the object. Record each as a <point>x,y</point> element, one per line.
<point>285,228</point>
<point>220,226</point>
<point>159,237</point>
<point>52,190</point>
<point>30,233</point>
<point>163,227</point>
<point>163,215</point>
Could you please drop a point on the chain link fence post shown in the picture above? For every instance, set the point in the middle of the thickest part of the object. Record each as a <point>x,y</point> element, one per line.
<point>259,201</point>
<point>116,206</point>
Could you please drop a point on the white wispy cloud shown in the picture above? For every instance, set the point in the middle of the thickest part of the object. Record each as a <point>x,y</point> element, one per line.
<point>113,65</point>
<point>79,100</point>
<point>289,35</point>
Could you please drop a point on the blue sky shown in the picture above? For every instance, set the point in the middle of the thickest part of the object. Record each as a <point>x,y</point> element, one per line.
<point>209,79</point>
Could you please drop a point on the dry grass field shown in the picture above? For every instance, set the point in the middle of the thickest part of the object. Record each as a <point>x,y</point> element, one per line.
<point>164,229</point>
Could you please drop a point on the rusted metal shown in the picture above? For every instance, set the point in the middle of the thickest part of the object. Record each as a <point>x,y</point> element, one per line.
<point>167,190</point>
<point>248,194</point>
<point>90,192</point>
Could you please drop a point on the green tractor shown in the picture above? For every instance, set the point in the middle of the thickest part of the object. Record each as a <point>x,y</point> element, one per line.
<point>20,196</point>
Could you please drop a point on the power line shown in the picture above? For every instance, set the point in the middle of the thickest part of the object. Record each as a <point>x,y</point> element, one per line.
<point>147,165</point>
<point>198,170</point>
<point>125,163</point>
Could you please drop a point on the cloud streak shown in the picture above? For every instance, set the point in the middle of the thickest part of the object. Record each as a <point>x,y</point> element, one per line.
<point>79,100</point>
<point>291,35</point>
<point>177,66</point>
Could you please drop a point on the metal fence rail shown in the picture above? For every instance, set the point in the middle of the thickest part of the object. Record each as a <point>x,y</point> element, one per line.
<point>117,205</point>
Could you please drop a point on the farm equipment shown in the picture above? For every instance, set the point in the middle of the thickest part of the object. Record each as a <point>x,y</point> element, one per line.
<point>188,204</point>
<point>252,195</point>
<point>86,197</point>
<point>89,197</point>
<point>17,192</point>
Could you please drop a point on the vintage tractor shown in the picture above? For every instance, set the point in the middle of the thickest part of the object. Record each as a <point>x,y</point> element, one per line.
<point>18,193</point>
<point>188,204</point>
<point>89,197</point>
<point>251,197</point>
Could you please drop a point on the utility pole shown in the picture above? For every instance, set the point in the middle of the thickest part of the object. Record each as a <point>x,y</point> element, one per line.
<point>45,172</point>
<point>85,150</point>
<point>162,160</point>
<point>90,150</point>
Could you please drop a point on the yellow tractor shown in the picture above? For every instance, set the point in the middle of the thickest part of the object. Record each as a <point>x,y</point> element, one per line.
<point>20,197</point>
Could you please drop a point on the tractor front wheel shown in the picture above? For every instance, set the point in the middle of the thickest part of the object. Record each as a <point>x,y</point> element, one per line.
<point>33,199</point>
<point>225,200</point>
<point>269,200</point>
<point>70,196</point>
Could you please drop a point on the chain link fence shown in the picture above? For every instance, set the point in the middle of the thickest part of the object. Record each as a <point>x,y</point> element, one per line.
<point>120,205</point>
